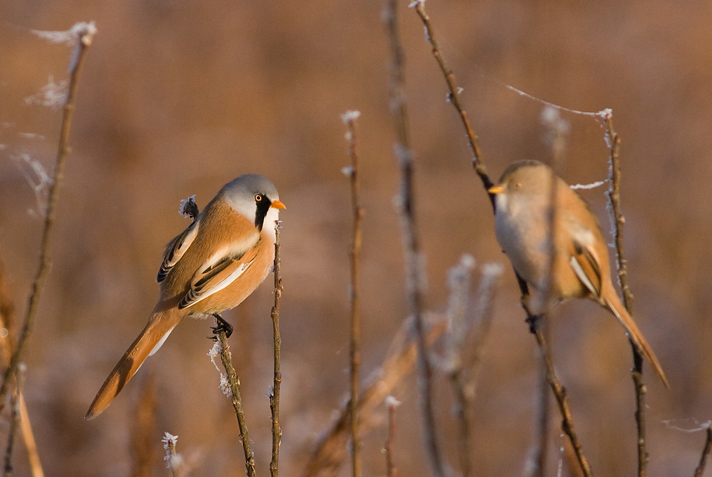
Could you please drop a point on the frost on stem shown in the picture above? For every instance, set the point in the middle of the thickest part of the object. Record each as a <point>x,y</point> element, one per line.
<point>70,36</point>
<point>350,116</point>
<point>188,208</point>
<point>80,35</point>
<point>391,401</point>
<point>173,459</point>
<point>592,185</point>
<point>224,384</point>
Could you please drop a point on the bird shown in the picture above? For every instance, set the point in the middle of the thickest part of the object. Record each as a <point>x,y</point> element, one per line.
<point>524,219</point>
<point>212,266</point>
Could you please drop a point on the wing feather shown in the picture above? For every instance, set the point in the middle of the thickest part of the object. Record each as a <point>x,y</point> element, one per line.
<point>217,274</point>
<point>176,248</point>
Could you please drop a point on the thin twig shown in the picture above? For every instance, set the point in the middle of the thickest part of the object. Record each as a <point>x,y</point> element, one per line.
<point>275,392</point>
<point>413,257</point>
<point>352,172</point>
<point>15,412</point>
<point>84,39</point>
<point>174,461</point>
<point>236,400</point>
<point>391,404</point>
<point>453,98</point>
<point>567,424</point>
<point>614,199</point>
<point>705,452</point>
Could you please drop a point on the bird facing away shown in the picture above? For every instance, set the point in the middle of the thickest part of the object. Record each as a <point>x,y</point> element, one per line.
<point>580,268</point>
<point>212,266</point>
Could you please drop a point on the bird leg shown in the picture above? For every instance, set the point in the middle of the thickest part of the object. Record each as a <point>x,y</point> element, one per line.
<point>221,325</point>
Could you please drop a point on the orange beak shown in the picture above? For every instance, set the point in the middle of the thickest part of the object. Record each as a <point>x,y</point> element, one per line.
<point>277,204</point>
<point>498,189</point>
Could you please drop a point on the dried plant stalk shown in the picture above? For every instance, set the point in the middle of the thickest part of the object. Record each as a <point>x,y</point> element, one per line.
<point>614,199</point>
<point>352,172</point>
<point>277,384</point>
<point>236,400</point>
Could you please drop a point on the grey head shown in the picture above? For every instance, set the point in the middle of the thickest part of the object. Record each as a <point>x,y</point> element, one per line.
<point>252,195</point>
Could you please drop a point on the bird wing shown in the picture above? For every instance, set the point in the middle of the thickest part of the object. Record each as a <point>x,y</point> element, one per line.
<point>176,248</point>
<point>584,259</point>
<point>217,273</point>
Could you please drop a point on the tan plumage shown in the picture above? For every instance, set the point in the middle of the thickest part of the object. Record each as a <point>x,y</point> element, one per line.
<point>580,267</point>
<point>212,266</point>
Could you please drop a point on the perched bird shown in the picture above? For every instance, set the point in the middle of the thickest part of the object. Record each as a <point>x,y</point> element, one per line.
<point>212,266</point>
<point>580,268</point>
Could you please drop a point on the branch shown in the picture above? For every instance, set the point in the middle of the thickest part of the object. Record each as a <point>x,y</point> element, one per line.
<point>85,35</point>
<point>614,199</point>
<point>413,257</point>
<point>275,393</point>
<point>391,403</point>
<point>453,97</point>
<point>233,381</point>
<point>567,423</point>
<point>352,172</point>
<point>15,413</point>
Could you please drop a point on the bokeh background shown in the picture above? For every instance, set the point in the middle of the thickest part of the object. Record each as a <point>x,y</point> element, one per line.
<point>178,97</point>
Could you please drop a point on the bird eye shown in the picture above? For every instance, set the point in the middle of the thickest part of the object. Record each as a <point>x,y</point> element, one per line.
<point>258,197</point>
<point>517,185</point>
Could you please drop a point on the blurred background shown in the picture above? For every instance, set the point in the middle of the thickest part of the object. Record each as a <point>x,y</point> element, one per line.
<point>179,97</point>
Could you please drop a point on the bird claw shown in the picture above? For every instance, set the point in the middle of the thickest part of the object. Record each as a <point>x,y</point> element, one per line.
<point>221,326</point>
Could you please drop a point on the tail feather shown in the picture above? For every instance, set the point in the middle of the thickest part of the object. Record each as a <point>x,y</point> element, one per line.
<point>637,338</point>
<point>151,338</point>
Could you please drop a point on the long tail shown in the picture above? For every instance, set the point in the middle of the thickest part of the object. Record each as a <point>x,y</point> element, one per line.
<point>148,342</point>
<point>636,336</point>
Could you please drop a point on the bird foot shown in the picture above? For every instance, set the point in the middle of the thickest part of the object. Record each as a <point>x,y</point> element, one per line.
<point>221,326</point>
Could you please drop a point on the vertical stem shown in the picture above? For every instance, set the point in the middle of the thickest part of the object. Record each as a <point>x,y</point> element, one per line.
<point>236,399</point>
<point>274,395</point>
<point>354,290</point>
<point>413,259</point>
<point>14,422</point>
<point>391,404</point>
<point>613,194</point>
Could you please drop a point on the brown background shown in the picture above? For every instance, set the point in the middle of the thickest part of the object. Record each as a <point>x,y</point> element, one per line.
<point>178,97</point>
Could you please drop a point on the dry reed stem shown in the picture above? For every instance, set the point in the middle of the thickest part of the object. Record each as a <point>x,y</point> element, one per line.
<point>391,405</point>
<point>84,40</point>
<point>613,194</point>
<point>453,97</point>
<point>413,257</point>
<point>352,172</point>
<point>14,420</point>
<point>274,394</point>
<point>330,451</point>
<point>236,400</point>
